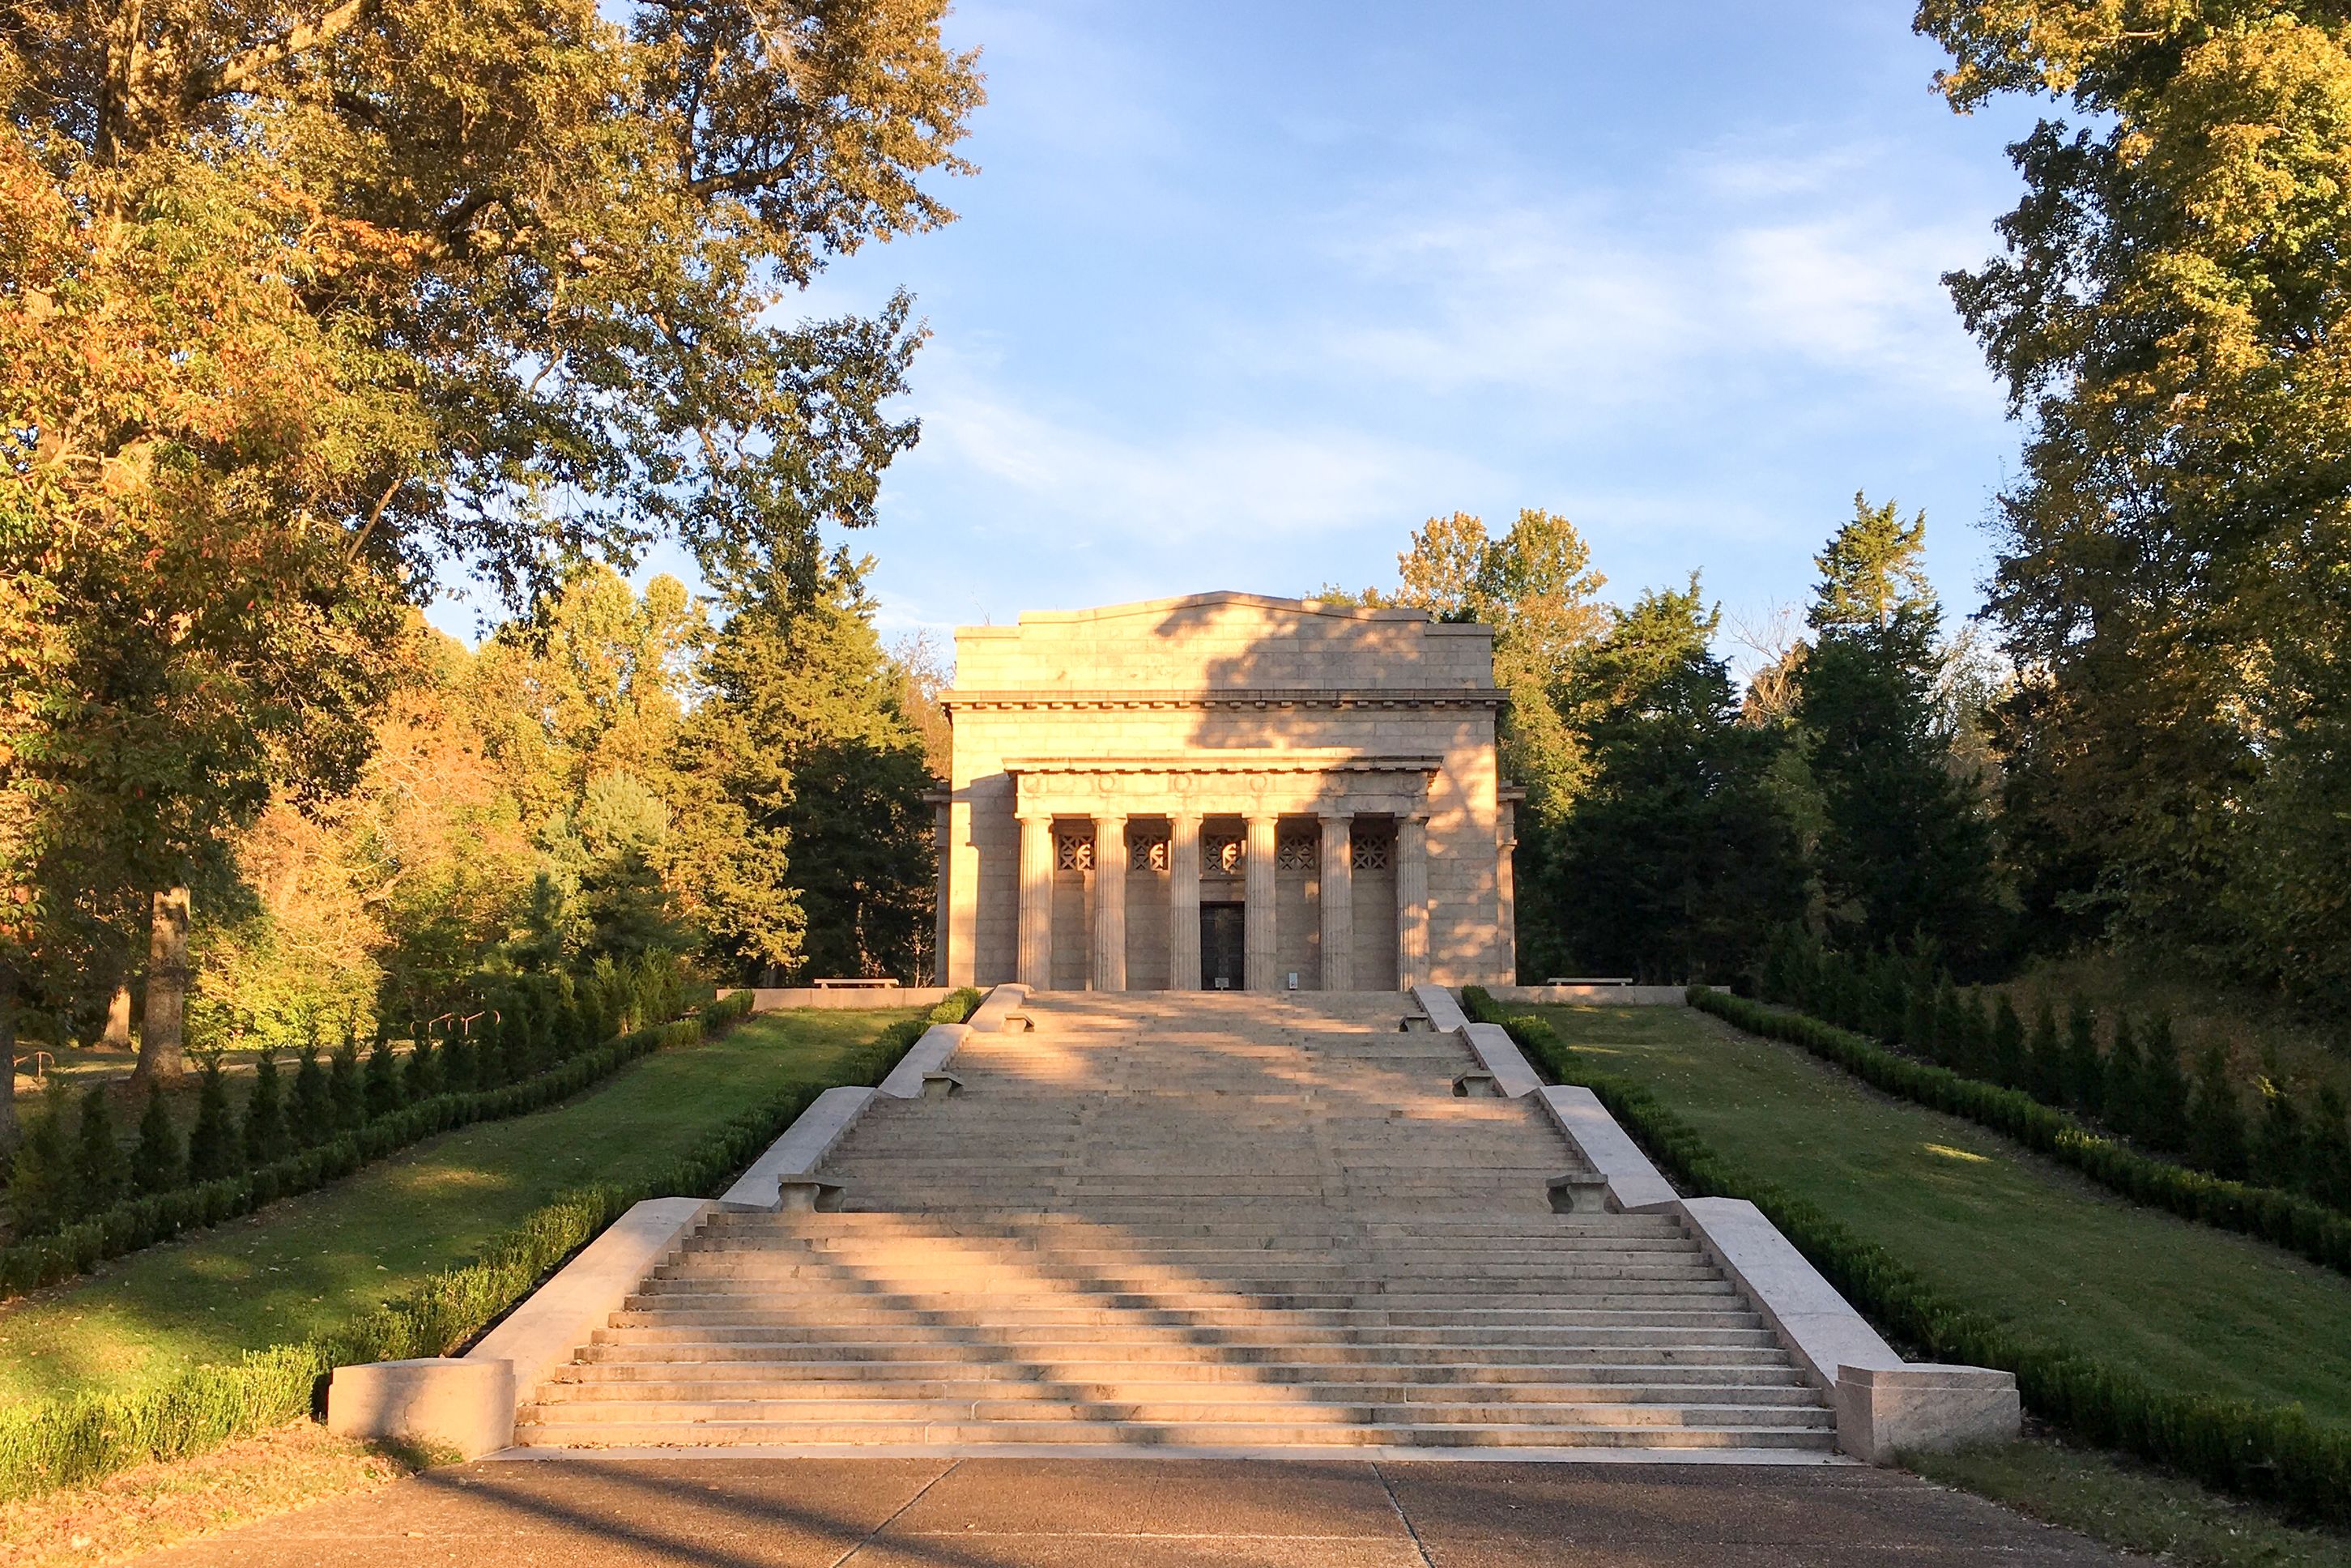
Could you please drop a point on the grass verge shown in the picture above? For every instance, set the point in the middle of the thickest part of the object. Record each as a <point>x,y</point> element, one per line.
<point>151,1506</point>
<point>2112,1499</point>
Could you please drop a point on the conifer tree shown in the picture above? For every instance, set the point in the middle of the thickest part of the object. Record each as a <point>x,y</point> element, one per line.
<point>420,1073</point>
<point>310,1115</point>
<point>40,1187</point>
<point>265,1135</point>
<point>2216,1119</point>
<point>345,1094</point>
<point>2124,1103</point>
<point>157,1164</point>
<point>484,1043</point>
<point>1918,1024</point>
<point>381,1093</point>
<point>2011,1065</point>
<point>1976,1034</point>
<point>2330,1151</point>
<point>2084,1071</point>
<point>99,1169</point>
<point>2279,1152</point>
<point>214,1150</point>
<point>2044,1068</point>
<point>2163,1093</point>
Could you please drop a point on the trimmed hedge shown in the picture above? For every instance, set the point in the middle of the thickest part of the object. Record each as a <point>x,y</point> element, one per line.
<point>2276,1452</point>
<point>2285,1219</point>
<point>141,1222</point>
<point>63,1442</point>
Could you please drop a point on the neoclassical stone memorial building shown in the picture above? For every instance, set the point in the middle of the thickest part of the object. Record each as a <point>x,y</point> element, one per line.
<point>1225,792</point>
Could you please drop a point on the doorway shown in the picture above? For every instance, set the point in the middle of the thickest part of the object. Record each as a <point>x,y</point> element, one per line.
<point>1221,928</point>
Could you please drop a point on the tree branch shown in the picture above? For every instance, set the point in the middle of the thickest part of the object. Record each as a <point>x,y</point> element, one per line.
<point>241,71</point>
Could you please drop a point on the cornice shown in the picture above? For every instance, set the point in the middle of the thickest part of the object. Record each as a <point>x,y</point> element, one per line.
<point>1231,760</point>
<point>1232,698</point>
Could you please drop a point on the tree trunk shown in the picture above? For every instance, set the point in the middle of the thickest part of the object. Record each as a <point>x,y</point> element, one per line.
<point>161,1043</point>
<point>118,1020</point>
<point>8,1130</point>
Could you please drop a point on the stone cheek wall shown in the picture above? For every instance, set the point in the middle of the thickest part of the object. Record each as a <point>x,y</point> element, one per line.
<point>1220,672</point>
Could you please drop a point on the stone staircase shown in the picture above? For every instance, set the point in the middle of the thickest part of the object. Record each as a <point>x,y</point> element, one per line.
<point>1198,1221</point>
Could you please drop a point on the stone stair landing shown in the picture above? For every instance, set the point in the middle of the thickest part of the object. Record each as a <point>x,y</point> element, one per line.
<point>1194,1222</point>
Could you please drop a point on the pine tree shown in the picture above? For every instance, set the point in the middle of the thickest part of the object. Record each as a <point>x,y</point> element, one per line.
<point>265,1135</point>
<point>215,1149</point>
<point>2216,1119</point>
<point>570,1028</point>
<point>1976,1036</point>
<point>310,1116</point>
<point>483,1044</point>
<point>2279,1148</point>
<point>456,1054</point>
<point>420,1073</point>
<point>2044,1068</point>
<point>157,1164</point>
<point>346,1095</point>
<point>2125,1093</point>
<point>1950,1026</point>
<point>1918,1024</point>
<point>2085,1070</point>
<point>381,1094</point>
<point>2163,1093</point>
<point>2330,1151</point>
<point>40,1187</point>
<point>2010,1066</point>
<point>99,1171</point>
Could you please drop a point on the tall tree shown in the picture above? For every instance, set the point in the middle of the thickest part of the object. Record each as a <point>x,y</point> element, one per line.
<point>304,298</point>
<point>1676,860</point>
<point>1903,854</point>
<point>804,732</point>
<point>1536,587</point>
<point>2169,315</point>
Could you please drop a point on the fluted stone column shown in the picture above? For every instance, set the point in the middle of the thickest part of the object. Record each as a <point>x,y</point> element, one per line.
<point>1412,901</point>
<point>1259,956</point>
<point>1037,902</point>
<point>942,840</point>
<point>1183,901</point>
<point>1338,899</point>
<point>1110,903</point>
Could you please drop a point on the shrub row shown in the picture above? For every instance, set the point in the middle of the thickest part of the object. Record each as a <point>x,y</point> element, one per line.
<point>2279,1453</point>
<point>128,1225</point>
<point>66,1441</point>
<point>2283,1219</point>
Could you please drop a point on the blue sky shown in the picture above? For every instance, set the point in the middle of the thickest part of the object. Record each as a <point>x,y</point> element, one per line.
<point>1244,292</point>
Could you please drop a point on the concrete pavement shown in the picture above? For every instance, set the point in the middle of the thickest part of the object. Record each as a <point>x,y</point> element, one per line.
<point>1144,1513</point>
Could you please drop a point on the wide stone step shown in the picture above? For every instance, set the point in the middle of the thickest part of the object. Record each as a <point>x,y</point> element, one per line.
<point>1190,1406</point>
<point>1784,1384</point>
<point>685,1326</point>
<point>653,1433</point>
<point>1163,1391</point>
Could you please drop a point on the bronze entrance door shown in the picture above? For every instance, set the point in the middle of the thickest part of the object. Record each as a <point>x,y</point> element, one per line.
<point>1220,946</point>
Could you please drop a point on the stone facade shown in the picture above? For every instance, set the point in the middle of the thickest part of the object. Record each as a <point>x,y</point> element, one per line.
<point>1224,792</point>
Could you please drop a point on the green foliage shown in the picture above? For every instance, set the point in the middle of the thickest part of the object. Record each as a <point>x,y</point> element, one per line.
<point>40,1185</point>
<point>158,1163</point>
<point>1677,861</point>
<point>2044,1062</point>
<point>2215,1118</point>
<point>215,1147</point>
<point>384,1090</point>
<point>267,1139</point>
<point>2082,1068</point>
<point>2169,314</point>
<point>100,1173</point>
<point>346,1095</point>
<point>2010,1061</point>
<point>310,1113</point>
<point>1904,854</point>
<point>2164,1095</point>
<point>2283,1218</point>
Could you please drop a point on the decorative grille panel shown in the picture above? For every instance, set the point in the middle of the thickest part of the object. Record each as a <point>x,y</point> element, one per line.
<point>1222,853</point>
<point>1371,854</point>
<point>1147,855</point>
<point>1297,852</point>
<point>1073,851</point>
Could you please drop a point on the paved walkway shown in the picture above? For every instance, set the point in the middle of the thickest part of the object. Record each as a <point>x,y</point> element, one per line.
<point>1127,1513</point>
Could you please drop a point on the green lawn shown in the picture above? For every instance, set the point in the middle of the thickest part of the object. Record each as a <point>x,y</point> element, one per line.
<point>1990,1226</point>
<point>304,1265</point>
